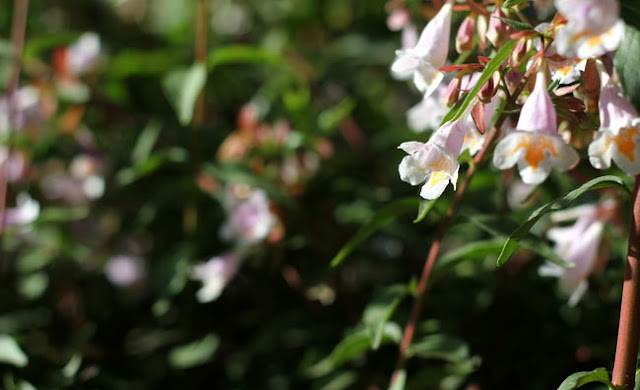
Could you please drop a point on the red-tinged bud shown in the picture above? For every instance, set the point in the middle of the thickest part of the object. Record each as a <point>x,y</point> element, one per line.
<point>489,89</point>
<point>498,31</point>
<point>452,93</point>
<point>464,38</point>
<point>519,52</point>
<point>513,80</point>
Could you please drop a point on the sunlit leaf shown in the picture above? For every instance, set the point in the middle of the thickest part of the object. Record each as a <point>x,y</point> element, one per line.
<point>579,379</point>
<point>487,73</point>
<point>425,207</point>
<point>243,54</point>
<point>440,346</point>
<point>400,381</point>
<point>11,353</point>
<point>563,202</point>
<point>513,3</point>
<point>195,353</point>
<point>182,87</point>
<point>380,309</point>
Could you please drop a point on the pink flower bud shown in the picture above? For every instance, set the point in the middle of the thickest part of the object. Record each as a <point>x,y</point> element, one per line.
<point>498,31</point>
<point>452,93</point>
<point>489,89</point>
<point>519,52</point>
<point>398,19</point>
<point>464,38</point>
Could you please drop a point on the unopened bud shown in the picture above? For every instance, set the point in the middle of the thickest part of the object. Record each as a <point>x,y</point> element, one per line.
<point>452,93</point>
<point>489,89</point>
<point>482,31</point>
<point>519,52</point>
<point>513,80</point>
<point>464,38</point>
<point>498,31</point>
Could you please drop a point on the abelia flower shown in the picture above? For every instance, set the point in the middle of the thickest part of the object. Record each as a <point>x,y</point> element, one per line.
<point>125,270</point>
<point>215,274</point>
<point>429,113</point>
<point>535,146</point>
<point>25,211</point>
<point>498,30</point>
<point>466,32</point>
<point>250,219</point>
<point>434,162</point>
<point>593,27</point>
<point>83,55</point>
<point>618,138</point>
<point>422,62</point>
<point>577,244</point>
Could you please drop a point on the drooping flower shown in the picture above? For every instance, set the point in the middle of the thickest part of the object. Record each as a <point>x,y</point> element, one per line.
<point>577,244</point>
<point>593,27</point>
<point>564,69</point>
<point>422,62</point>
<point>434,162</point>
<point>429,113</point>
<point>250,219</point>
<point>618,138</point>
<point>215,274</point>
<point>535,146</point>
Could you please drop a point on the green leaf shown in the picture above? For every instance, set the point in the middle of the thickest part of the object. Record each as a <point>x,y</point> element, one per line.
<point>626,63</point>
<point>474,250</point>
<point>582,378</point>
<point>127,63</point>
<point>425,207</point>
<point>182,87</point>
<point>512,242</point>
<point>353,346</point>
<point>146,141</point>
<point>11,353</point>
<point>385,216</point>
<point>330,118</point>
<point>440,346</point>
<point>513,3</point>
<point>381,308</point>
<point>341,381</point>
<point>400,381</point>
<point>493,65</point>
<point>195,353</point>
<point>516,24</point>
<point>243,54</point>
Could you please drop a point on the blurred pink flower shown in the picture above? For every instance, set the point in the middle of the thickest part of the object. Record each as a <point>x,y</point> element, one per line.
<point>125,270</point>
<point>83,55</point>
<point>215,274</point>
<point>593,27</point>
<point>250,219</point>
<point>577,244</point>
<point>25,211</point>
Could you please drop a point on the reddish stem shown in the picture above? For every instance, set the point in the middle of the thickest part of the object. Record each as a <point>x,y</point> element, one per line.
<point>624,368</point>
<point>430,261</point>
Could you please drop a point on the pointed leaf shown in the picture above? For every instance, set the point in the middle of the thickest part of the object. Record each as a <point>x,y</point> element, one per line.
<point>381,308</point>
<point>11,353</point>
<point>579,379</point>
<point>626,64</point>
<point>182,87</point>
<point>440,346</point>
<point>423,210</point>
<point>512,242</point>
<point>400,381</point>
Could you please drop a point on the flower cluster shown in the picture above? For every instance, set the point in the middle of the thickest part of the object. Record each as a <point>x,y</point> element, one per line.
<point>549,87</point>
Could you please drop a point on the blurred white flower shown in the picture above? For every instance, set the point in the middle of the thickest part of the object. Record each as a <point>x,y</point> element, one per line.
<point>593,27</point>
<point>215,274</point>
<point>26,103</point>
<point>25,212</point>
<point>429,113</point>
<point>125,270</point>
<point>83,55</point>
<point>250,220</point>
<point>577,244</point>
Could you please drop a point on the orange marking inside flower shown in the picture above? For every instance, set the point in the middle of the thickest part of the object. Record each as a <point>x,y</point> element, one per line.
<point>535,146</point>
<point>441,168</point>
<point>594,41</point>
<point>626,142</point>
<point>564,70</point>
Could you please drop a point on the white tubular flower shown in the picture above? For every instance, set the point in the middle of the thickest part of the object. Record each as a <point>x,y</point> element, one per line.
<point>618,138</point>
<point>428,114</point>
<point>435,162</point>
<point>215,274</point>
<point>593,27</point>
<point>422,62</point>
<point>577,244</point>
<point>535,145</point>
